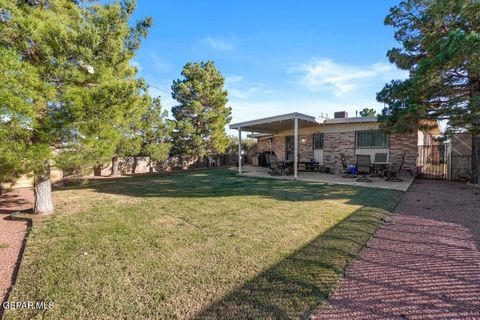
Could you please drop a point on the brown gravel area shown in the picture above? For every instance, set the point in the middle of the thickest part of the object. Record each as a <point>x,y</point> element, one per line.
<point>424,263</point>
<point>12,234</point>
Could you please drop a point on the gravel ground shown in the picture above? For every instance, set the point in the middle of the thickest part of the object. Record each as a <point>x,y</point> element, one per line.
<point>12,233</point>
<point>423,263</point>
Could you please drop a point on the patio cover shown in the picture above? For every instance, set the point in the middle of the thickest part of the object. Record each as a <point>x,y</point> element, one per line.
<point>273,125</point>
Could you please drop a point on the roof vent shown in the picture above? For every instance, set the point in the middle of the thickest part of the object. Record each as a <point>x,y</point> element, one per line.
<point>340,115</point>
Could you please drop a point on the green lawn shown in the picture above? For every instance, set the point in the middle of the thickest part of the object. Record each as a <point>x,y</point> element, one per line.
<point>204,244</point>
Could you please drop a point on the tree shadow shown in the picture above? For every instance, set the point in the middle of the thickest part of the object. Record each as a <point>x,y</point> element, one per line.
<point>15,201</point>
<point>225,183</point>
<point>297,286</point>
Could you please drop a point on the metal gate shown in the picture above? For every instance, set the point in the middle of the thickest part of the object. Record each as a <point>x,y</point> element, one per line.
<point>433,161</point>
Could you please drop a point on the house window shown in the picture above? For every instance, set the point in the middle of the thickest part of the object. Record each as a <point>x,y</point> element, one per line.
<point>372,139</point>
<point>318,141</point>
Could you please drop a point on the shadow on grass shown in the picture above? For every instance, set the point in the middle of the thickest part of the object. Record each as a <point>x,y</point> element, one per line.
<point>224,183</point>
<point>297,285</point>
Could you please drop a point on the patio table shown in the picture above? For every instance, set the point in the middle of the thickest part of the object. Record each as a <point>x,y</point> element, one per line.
<point>309,165</point>
<point>286,165</point>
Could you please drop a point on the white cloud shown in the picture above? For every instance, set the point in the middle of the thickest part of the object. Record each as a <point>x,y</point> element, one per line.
<point>327,75</point>
<point>233,79</point>
<point>220,43</point>
<point>238,88</point>
<point>156,62</point>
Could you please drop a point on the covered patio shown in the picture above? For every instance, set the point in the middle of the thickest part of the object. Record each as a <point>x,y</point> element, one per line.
<point>329,178</point>
<point>273,125</point>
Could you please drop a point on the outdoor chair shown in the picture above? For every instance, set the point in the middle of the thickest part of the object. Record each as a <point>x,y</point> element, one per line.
<point>379,164</point>
<point>380,157</point>
<point>267,159</point>
<point>275,169</point>
<point>345,173</point>
<point>363,167</point>
<point>393,173</point>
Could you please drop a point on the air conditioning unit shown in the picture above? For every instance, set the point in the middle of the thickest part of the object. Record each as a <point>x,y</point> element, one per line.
<point>340,115</point>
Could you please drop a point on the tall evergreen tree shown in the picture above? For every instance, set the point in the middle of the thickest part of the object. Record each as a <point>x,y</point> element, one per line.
<point>202,114</point>
<point>155,130</point>
<point>440,47</point>
<point>70,86</point>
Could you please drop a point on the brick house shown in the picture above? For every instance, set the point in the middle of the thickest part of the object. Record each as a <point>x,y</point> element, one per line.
<point>326,139</point>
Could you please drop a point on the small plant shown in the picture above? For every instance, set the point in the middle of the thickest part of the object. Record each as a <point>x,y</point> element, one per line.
<point>3,245</point>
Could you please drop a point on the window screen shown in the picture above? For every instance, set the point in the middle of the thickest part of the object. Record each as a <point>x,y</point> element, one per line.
<point>372,139</point>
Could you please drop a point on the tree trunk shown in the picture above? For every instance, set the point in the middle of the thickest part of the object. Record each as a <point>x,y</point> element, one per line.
<point>134,166</point>
<point>115,167</point>
<point>43,192</point>
<point>97,171</point>
<point>150,163</point>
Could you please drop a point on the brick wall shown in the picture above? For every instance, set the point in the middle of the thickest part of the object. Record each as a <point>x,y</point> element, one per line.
<point>279,147</point>
<point>305,148</point>
<point>263,145</point>
<point>405,143</point>
<point>336,143</point>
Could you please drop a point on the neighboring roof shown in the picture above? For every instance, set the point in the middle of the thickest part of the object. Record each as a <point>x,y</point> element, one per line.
<point>275,124</point>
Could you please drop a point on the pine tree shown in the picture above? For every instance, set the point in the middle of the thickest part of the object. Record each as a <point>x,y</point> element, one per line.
<point>155,130</point>
<point>368,112</point>
<point>440,47</point>
<point>202,114</point>
<point>70,85</point>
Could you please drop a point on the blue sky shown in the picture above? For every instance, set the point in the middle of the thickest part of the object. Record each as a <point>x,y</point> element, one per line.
<point>277,56</point>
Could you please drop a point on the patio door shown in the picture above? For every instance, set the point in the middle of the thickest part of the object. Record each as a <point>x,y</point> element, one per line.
<point>290,147</point>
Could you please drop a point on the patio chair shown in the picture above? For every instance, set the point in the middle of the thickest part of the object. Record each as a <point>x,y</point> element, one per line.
<point>379,164</point>
<point>275,169</point>
<point>380,157</point>
<point>393,173</point>
<point>363,167</point>
<point>345,173</point>
<point>267,159</point>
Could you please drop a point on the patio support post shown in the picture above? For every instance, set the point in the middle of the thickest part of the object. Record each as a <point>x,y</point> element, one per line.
<point>239,150</point>
<point>295,155</point>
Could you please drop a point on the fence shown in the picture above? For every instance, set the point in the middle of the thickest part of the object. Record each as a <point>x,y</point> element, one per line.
<point>433,161</point>
<point>448,161</point>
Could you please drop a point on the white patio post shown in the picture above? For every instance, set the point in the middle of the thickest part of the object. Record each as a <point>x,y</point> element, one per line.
<point>239,150</point>
<point>295,149</point>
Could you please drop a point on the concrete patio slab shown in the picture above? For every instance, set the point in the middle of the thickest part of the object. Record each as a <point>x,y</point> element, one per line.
<point>261,172</point>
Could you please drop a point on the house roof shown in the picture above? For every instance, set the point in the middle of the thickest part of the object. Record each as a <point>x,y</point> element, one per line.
<point>276,123</point>
<point>351,120</point>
